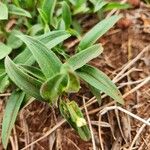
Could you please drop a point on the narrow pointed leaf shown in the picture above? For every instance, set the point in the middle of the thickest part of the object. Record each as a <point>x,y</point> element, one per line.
<point>10,115</point>
<point>48,7</point>
<point>18,11</point>
<point>100,81</point>
<point>66,14</point>
<point>4,50</point>
<point>25,82</point>
<point>97,31</point>
<point>83,57</point>
<point>4,82</point>
<point>3,11</point>
<point>47,60</point>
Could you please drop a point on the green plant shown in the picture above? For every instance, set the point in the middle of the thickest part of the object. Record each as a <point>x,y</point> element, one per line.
<point>40,73</point>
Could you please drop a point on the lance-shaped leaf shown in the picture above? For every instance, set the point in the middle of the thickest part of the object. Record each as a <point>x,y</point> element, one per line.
<point>4,82</point>
<point>99,5</point>
<point>52,88</point>
<point>47,60</point>
<point>4,50</point>
<point>18,11</point>
<point>48,7</point>
<point>66,14</point>
<point>72,113</point>
<point>10,115</point>
<point>83,57</point>
<point>25,82</point>
<point>33,71</point>
<point>50,39</point>
<point>97,31</point>
<point>100,81</point>
<point>4,11</point>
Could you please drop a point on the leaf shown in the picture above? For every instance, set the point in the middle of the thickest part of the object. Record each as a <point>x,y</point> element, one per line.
<point>14,10</point>
<point>72,113</point>
<point>50,39</point>
<point>100,81</point>
<point>48,7</point>
<point>52,88</point>
<point>116,5</point>
<point>83,57</point>
<point>47,60</point>
<point>97,31</point>
<point>4,82</point>
<point>4,50</point>
<point>43,16</point>
<point>66,14</point>
<point>10,115</point>
<point>4,11</point>
<point>99,5</point>
<point>73,83</point>
<point>13,41</point>
<point>33,71</point>
<point>25,82</point>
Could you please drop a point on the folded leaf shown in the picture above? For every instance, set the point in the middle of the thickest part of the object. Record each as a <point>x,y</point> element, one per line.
<point>18,11</point>
<point>72,113</point>
<point>100,81</point>
<point>52,88</point>
<point>83,57</point>
<point>25,82</point>
<point>47,60</point>
<point>4,11</point>
<point>97,31</point>
<point>4,50</point>
<point>10,115</point>
<point>99,5</point>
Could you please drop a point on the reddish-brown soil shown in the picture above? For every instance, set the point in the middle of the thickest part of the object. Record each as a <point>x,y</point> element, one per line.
<point>121,45</point>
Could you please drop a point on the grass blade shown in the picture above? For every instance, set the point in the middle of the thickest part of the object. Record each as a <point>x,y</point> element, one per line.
<point>47,60</point>
<point>4,11</point>
<point>83,57</point>
<point>97,31</point>
<point>10,115</point>
<point>25,82</point>
<point>100,81</point>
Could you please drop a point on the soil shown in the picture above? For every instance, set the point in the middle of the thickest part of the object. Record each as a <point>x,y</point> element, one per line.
<point>121,45</point>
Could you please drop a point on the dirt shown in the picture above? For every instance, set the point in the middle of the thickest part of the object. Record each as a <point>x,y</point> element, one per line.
<point>121,45</point>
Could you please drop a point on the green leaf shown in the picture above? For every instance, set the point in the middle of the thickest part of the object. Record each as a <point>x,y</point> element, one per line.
<point>66,14</point>
<point>25,82</point>
<point>73,83</point>
<point>99,5</point>
<point>97,31</point>
<point>83,57</point>
<point>14,10</point>
<point>72,113</point>
<point>48,7</point>
<point>52,88</point>
<point>33,71</point>
<point>13,41</point>
<point>50,39</point>
<point>47,60</point>
<point>100,81</point>
<point>4,50</point>
<point>116,5</point>
<point>10,115</point>
<point>4,11</point>
<point>43,16</point>
<point>4,82</point>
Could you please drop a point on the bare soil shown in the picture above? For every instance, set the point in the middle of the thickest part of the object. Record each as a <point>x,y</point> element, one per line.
<point>122,44</point>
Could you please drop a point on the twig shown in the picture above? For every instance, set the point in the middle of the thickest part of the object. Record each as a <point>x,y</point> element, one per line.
<point>105,110</point>
<point>137,135</point>
<point>90,126</point>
